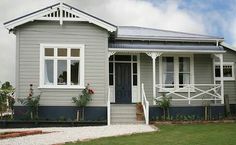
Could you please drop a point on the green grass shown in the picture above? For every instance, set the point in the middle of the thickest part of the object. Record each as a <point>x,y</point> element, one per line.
<point>202,134</point>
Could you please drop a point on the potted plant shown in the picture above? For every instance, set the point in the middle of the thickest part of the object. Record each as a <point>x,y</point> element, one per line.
<point>82,101</point>
<point>139,111</point>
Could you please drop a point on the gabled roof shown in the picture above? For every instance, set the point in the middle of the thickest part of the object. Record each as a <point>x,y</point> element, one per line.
<point>228,46</point>
<point>60,12</point>
<point>136,33</point>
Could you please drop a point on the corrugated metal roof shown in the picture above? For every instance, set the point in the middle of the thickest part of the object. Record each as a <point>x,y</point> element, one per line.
<point>167,47</point>
<point>127,32</point>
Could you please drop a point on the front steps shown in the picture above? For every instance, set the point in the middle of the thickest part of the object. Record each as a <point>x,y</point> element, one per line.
<point>124,114</point>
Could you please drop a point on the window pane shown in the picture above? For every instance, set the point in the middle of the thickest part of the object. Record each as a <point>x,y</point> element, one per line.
<point>48,72</point>
<point>217,71</point>
<point>75,72</point>
<point>227,71</point>
<point>111,67</point>
<point>49,52</point>
<point>135,68</point>
<point>75,52</point>
<point>62,52</point>
<point>110,80</point>
<point>168,64</point>
<point>184,64</point>
<point>122,58</point>
<point>134,58</point>
<point>135,80</point>
<point>62,72</point>
<point>184,78</point>
<point>168,71</point>
<point>111,58</point>
<point>168,79</point>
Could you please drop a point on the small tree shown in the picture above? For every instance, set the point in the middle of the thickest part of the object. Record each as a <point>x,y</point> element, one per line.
<point>6,94</point>
<point>32,102</point>
<point>83,100</point>
<point>164,104</point>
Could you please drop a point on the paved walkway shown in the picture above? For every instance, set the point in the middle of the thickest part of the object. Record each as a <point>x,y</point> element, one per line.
<point>68,134</point>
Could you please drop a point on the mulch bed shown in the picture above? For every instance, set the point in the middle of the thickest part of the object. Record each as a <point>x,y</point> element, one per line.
<point>12,134</point>
<point>191,122</point>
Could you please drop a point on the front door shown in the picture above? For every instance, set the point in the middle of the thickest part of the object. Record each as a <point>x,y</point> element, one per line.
<point>123,83</point>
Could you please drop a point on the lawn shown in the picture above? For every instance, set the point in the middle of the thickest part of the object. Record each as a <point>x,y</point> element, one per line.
<point>204,134</point>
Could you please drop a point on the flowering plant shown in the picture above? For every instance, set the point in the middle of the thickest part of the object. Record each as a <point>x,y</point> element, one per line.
<point>84,98</point>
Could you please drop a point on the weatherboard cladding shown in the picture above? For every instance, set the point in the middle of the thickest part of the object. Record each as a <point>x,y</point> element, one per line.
<point>95,39</point>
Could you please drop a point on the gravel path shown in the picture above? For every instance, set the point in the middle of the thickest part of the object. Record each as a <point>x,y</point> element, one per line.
<point>68,134</point>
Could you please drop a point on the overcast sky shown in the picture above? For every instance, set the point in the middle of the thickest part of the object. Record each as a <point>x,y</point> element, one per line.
<point>213,17</point>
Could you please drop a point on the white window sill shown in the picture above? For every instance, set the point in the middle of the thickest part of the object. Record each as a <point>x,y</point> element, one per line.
<point>225,79</point>
<point>61,87</point>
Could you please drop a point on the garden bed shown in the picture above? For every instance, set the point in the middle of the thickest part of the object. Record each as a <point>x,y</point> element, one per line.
<point>12,134</point>
<point>31,124</point>
<point>192,122</point>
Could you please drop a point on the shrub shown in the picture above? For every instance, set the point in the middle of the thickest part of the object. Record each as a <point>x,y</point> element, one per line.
<point>32,103</point>
<point>6,94</point>
<point>164,103</point>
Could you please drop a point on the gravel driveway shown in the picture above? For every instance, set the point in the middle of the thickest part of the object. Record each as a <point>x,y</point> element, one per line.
<point>67,134</point>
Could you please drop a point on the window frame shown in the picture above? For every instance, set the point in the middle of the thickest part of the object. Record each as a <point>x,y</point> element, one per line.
<point>176,72</point>
<point>225,78</point>
<point>68,58</point>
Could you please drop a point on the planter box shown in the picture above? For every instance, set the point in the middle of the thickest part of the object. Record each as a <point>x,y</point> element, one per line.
<point>32,124</point>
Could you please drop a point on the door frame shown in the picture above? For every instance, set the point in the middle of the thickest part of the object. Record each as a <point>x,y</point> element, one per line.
<point>135,90</point>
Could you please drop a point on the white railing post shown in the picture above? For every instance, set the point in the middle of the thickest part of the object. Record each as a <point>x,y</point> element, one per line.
<point>189,93</point>
<point>147,113</point>
<point>220,56</point>
<point>154,55</point>
<point>108,108</point>
<point>145,105</point>
<point>221,78</point>
<point>142,94</point>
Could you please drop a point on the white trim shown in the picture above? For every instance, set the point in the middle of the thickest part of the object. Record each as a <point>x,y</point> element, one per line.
<point>68,58</point>
<point>225,78</point>
<point>62,7</point>
<point>162,50</point>
<point>138,75</point>
<point>176,71</point>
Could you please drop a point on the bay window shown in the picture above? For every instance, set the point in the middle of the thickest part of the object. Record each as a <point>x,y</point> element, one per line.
<point>176,71</point>
<point>61,66</point>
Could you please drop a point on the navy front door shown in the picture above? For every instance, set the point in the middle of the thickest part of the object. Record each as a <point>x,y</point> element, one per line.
<point>123,83</point>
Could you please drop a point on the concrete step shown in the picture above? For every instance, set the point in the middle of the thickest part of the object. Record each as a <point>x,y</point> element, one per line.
<point>124,114</point>
<point>128,122</point>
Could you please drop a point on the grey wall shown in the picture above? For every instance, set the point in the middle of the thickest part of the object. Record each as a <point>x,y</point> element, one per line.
<point>29,37</point>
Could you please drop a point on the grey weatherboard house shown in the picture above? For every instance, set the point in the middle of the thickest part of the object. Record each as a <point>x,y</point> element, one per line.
<point>59,49</point>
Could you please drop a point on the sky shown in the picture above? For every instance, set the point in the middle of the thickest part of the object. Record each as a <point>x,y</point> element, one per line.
<point>211,17</point>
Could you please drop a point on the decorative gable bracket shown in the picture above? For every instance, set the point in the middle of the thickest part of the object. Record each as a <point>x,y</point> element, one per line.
<point>60,12</point>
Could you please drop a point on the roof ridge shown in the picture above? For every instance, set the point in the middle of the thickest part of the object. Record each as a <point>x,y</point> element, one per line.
<point>178,32</point>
